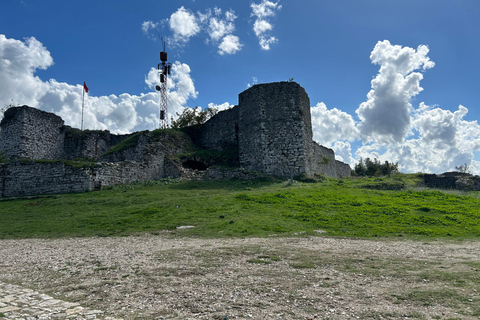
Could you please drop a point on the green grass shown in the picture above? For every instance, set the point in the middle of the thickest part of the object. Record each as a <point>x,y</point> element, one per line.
<point>253,208</point>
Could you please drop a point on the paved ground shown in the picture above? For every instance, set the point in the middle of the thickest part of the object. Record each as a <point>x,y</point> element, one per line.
<point>20,303</point>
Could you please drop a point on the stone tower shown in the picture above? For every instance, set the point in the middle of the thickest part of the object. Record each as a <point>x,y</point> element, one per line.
<point>275,130</point>
<point>29,133</point>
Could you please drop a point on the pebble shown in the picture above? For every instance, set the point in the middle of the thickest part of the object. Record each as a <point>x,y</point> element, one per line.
<point>25,304</point>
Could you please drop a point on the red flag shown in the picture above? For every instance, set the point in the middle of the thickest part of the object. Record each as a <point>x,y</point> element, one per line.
<point>85,87</point>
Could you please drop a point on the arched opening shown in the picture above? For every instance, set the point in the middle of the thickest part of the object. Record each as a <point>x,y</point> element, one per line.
<point>194,165</point>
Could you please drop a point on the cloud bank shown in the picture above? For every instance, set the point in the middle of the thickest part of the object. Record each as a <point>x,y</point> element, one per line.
<point>120,114</point>
<point>389,128</point>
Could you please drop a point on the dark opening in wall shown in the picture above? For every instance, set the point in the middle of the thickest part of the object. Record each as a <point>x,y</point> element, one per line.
<point>195,165</point>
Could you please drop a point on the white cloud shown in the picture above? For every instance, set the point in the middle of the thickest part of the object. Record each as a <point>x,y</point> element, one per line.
<point>254,82</point>
<point>183,24</point>
<point>220,107</point>
<point>385,115</point>
<point>230,45</point>
<point>265,9</point>
<point>343,152</point>
<point>147,27</point>
<point>262,26</point>
<point>425,139</point>
<point>332,125</point>
<point>219,27</point>
<point>119,114</point>
<point>18,63</point>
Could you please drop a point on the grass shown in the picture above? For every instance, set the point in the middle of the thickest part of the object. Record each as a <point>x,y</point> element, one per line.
<point>344,208</point>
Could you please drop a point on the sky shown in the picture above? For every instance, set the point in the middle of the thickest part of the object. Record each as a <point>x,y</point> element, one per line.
<point>395,80</point>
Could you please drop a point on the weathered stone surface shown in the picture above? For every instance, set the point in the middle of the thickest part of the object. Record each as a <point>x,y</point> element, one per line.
<point>452,180</point>
<point>29,133</point>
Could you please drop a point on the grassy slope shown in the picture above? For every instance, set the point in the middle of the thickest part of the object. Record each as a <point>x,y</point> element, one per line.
<point>251,208</point>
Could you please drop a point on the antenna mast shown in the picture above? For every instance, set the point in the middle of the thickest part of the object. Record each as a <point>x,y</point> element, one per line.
<point>164,69</point>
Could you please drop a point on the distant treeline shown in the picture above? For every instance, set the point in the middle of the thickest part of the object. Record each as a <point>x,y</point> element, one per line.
<point>369,167</point>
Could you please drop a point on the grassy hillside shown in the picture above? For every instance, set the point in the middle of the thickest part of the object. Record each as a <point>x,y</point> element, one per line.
<point>352,208</point>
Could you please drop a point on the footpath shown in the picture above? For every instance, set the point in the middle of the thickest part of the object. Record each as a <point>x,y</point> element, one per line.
<point>25,304</point>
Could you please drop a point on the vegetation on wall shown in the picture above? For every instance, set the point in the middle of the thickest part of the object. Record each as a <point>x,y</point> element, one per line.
<point>125,144</point>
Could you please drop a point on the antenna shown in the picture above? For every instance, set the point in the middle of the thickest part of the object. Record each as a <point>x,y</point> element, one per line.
<point>164,69</point>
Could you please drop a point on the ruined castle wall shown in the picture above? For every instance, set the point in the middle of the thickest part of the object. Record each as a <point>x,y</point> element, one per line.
<point>22,178</point>
<point>343,169</point>
<point>323,161</point>
<point>88,144</point>
<point>109,174</point>
<point>29,133</point>
<point>273,129</point>
<point>221,130</point>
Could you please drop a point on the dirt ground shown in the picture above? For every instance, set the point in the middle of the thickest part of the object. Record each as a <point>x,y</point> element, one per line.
<point>167,276</point>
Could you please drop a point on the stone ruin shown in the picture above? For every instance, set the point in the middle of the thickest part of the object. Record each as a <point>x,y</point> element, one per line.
<point>270,132</point>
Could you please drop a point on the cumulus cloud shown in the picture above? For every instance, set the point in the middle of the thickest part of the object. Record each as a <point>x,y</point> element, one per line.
<point>390,128</point>
<point>343,152</point>
<point>332,125</point>
<point>262,26</point>
<point>183,24</point>
<point>119,114</point>
<point>385,116</point>
<point>230,44</point>
<point>18,63</point>
<point>217,26</point>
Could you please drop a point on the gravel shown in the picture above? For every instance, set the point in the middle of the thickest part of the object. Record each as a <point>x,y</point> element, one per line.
<point>167,276</point>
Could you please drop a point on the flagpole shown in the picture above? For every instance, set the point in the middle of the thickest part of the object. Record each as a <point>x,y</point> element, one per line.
<point>83,104</point>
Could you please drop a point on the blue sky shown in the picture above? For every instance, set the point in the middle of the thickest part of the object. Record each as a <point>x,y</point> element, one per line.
<point>339,51</point>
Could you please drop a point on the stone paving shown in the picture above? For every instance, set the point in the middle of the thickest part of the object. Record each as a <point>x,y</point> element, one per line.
<point>25,304</point>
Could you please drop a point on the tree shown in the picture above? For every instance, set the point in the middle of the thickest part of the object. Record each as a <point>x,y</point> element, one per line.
<point>193,116</point>
<point>369,167</point>
<point>464,168</point>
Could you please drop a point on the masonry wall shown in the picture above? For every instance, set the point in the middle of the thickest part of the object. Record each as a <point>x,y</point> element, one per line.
<point>23,178</point>
<point>221,130</point>
<point>90,144</point>
<point>29,133</point>
<point>273,128</point>
<point>323,161</point>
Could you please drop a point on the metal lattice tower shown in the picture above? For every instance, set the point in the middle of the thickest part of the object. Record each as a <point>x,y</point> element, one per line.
<point>164,70</point>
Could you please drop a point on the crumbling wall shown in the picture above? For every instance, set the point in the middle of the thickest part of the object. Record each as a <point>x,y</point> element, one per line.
<point>22,178</point>
<point>323,161</point>
<point>88,144</point>
<point>221,130</point>
<point>29,133</point>
<point>343,169</point>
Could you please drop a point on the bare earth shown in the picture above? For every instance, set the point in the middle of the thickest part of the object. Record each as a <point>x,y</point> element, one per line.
<point>170,277</point>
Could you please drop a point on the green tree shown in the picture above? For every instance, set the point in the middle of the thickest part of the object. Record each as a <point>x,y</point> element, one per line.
<point>369,167</point>
<point>193,116</point>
